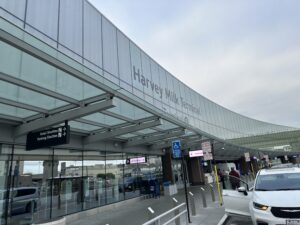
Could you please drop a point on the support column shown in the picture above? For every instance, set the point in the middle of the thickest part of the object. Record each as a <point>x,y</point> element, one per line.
<point>255,165</point>
<point>167,167</point>
<point>244,167</point>
<point>47,173</point>
<point>195,171</point>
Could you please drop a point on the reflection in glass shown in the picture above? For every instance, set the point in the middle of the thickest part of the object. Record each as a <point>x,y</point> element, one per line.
<point>50,183</point>
<point>114,177</point>
<point>29,198</point>
<point>68,183</point>
<point>94,170</point>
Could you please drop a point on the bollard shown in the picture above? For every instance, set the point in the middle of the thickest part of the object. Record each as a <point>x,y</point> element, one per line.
<point>193,205</point>
<point>213,198</point>
<point>203,197</point>
<point>32,208</point>
<point>175,203</point>
<point>151,215</point>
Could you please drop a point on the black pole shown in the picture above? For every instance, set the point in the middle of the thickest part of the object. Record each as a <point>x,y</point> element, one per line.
<point>51,185</point>
<point>185,188</point>
<point>9,185</point>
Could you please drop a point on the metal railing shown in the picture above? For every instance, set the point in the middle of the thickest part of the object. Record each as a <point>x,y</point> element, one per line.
<point>157,220</point>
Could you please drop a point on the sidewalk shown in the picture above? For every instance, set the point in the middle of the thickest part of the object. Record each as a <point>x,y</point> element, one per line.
<point>137,213</point>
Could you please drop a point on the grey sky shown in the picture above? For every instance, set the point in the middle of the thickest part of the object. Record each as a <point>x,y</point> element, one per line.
<point>244,55</point>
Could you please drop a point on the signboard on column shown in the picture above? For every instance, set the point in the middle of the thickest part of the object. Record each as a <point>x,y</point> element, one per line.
<point>176,149</point>
<point>266,157</point>
<point>206,148</point>
<point>247,156</point>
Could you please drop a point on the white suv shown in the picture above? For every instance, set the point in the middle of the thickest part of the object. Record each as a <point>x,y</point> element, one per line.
<point>274,199</point>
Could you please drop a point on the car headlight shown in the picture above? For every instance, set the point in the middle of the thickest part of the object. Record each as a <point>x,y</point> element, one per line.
<point>260,206</point>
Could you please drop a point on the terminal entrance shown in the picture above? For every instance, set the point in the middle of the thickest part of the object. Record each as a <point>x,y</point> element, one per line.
<point>49,183</point>
<point>124,111</point>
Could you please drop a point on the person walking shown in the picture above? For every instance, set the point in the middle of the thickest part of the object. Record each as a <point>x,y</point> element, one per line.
<point>234,178</point>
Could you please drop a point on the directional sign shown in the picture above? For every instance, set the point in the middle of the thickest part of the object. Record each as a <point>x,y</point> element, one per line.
<point>48,138</point>
<point>207,156</point>
<point>136,160</point>
<point>176,149</point>
<point>206,146</point>
<point>195,153</point>
<point>247,156</point>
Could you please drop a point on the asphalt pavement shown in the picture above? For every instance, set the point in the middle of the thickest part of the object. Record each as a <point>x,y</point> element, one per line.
<point>137,213</point>
<point>238,221</point>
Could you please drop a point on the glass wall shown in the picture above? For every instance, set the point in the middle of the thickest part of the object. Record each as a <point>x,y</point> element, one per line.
<point>29,192</point>
<point>45,184</point>
<point>94,171</point>
<point>114,182</point>
<point>68,183</point>
<point>5,167</point>
<point>132,178</point>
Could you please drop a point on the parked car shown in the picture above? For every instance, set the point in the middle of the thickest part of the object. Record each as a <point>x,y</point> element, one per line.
<point>21,200</point>
<point>274,199</point>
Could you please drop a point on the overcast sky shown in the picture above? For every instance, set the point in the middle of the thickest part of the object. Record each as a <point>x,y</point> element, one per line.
<point>243,55</point>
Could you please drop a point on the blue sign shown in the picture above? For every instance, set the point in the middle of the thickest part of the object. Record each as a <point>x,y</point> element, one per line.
<point>176,149</point>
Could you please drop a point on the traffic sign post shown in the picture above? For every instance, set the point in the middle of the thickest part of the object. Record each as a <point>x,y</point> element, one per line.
<point>177,153</point>
<point>185,188</point>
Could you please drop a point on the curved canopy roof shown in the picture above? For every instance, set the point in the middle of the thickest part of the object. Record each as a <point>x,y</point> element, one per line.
<point>46,80</point>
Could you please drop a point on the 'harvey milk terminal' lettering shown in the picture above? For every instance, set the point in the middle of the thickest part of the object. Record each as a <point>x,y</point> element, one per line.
<point>170,95</point>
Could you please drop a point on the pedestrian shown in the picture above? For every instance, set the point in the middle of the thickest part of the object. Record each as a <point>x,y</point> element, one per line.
<point>234,178</point>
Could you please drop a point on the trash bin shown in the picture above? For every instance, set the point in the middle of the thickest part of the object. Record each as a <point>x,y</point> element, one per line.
<point>152,188</point>
<point>157,189</point>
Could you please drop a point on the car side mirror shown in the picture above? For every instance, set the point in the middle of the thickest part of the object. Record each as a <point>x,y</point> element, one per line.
<point>243,190</point>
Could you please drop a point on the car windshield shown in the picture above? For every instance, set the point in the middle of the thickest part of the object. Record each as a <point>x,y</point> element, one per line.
<point>278,182</point>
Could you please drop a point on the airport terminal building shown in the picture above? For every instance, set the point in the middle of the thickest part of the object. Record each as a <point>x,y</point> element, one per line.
<point>67,72</point>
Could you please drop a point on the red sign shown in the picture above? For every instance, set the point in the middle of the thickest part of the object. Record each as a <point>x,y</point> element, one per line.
<point>136,160</point>
<point>196,153</point>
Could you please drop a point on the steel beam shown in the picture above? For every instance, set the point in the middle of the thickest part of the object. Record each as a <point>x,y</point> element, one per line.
<point>117,116</point>
<point>169,143</point>
<point>126,124</point>
<point>22,105</point>
<point>33,87</point>
<point>61,117</point>
<point>11,118</point>
<point>70,106</point>
<point>121,131</point>
<point>149,139</point>
<point>94,123</point>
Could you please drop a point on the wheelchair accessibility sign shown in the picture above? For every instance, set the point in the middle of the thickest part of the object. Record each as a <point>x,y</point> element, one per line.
<point>176,149</point>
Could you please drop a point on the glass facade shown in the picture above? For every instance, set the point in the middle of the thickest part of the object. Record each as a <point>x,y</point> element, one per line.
<point>49,183</point>
<point>63,66</point>
<point>83,38</point>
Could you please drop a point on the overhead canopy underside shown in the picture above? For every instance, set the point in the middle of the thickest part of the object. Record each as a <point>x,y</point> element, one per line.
<point>40,88</point>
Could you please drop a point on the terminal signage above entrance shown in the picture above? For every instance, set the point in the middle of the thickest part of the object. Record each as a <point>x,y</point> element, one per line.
<point>47,138</point>
<point>159,91</point>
